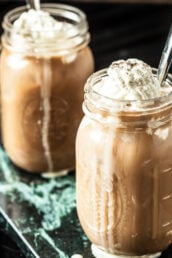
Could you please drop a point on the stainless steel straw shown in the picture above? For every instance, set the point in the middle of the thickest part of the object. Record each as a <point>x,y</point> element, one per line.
<point>33,4</point>
<point>166,58</point>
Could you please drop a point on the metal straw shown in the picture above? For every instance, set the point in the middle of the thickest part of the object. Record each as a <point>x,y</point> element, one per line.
<point>33,4</point>
<point>166,58</point>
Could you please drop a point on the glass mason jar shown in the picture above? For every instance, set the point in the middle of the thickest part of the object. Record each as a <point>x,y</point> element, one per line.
<point>42,91</point>
<point>124,173</point>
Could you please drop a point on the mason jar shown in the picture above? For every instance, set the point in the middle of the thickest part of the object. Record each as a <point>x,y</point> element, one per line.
<point>42,89</point>
<point>124,173</point>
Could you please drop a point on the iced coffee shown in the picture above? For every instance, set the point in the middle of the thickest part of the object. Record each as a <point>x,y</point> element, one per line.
<point>124,161</point>
<point>44,64</point>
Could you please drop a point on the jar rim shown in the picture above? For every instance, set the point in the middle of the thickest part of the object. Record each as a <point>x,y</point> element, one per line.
<point>112,104</point>
<point>11,16</point>
<point>76,40</point>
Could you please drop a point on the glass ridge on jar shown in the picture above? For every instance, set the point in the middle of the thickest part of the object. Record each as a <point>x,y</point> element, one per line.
<point>123,159</point>
<point>42,92</point>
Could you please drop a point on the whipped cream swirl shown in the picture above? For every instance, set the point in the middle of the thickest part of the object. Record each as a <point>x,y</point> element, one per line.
<point>37,29</point>
<point>130,79</point>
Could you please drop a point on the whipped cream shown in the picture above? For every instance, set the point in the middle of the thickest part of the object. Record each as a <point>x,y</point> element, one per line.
<point>130,79</point>
<point>40,28</point>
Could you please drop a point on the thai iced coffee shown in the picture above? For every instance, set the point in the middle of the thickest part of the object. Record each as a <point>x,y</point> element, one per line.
<point>44,64</point>
<point>124,161</point>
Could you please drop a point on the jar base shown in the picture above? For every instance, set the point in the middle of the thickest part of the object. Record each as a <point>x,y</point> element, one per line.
<point>56,173</point>
<point>99,253</point>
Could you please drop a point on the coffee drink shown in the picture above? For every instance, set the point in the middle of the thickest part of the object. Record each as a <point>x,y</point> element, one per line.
<point>44,64</point>
<point>124,164</point>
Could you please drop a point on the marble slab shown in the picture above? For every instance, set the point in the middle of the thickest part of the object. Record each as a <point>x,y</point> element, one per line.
<point>40,214</point>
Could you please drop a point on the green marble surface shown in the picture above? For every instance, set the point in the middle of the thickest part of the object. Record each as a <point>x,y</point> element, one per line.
<point>40,214</point>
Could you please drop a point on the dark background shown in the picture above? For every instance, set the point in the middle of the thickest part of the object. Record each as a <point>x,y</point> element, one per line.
<point>118,31</point>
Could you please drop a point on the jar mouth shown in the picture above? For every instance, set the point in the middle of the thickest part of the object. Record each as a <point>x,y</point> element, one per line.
<point>111,104</point>
<point>61,12</point>
<point>73,14</point>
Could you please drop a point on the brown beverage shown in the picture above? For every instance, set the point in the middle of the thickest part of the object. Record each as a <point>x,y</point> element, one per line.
<point>42,82</point>
<point>124,168</point>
